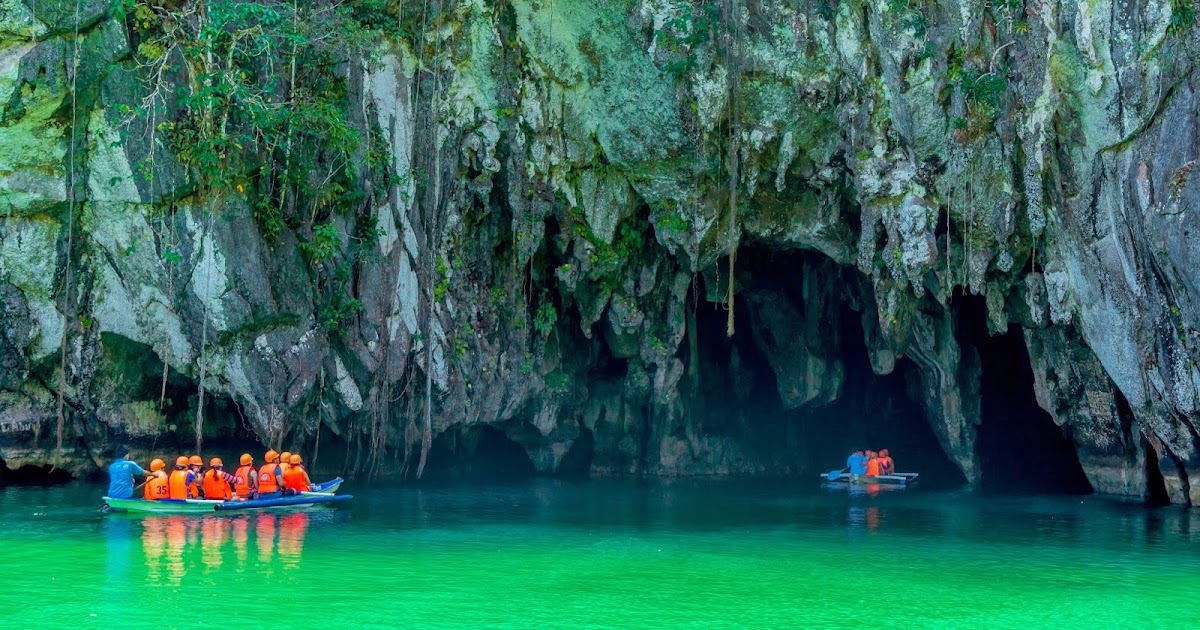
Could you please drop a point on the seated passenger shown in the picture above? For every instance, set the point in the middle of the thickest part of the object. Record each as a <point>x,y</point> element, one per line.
<point>872,464</point>
<point>269,477</point>
<point>246,481</point>
<point>296,477</point>
<point>285,461</point>
<point>217,482</point>
<point>195,465</point>
<point>156,485</point>
<point>886,465</point>
<point>180,479</point>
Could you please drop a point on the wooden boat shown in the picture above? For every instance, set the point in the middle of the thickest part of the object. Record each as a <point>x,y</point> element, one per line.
<point>318,493</point>
<point>329,487</point>
<point>201,506</point>
<point>896,479</point>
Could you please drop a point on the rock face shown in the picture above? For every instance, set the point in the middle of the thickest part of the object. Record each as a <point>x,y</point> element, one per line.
<point>547,187</point>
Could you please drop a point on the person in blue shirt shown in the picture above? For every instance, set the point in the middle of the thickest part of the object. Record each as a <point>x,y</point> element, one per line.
<point>857,463</point>
<point>121,474</point>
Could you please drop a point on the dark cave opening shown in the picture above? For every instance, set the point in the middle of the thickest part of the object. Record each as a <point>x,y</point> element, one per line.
<point>1019,446</point>
<point>1156,484</point>
<point>476,453</point>
<point>738,391</point>
<point>31,475</point>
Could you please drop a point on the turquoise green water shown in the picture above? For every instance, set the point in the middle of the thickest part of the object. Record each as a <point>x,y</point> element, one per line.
<point>604,555</point>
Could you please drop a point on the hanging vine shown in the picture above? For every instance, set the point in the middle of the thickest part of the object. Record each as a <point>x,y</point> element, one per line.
<point>61,416</point>
<point>733,62</point>
<point>252,123</point>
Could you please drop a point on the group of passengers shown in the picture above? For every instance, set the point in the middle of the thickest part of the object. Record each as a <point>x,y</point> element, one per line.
<point>870,463</point>
<point>282,474</point>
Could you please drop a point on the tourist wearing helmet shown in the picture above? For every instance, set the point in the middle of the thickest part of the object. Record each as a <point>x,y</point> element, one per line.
<point>285,461</point>
<point>218,483</point>
<point>157,486</point>
<point>180,479</point>
<point>121,473</point>
<point>296,477</point>
<point>196,466</point>
<point>245,484</point>
<point>270,480</point>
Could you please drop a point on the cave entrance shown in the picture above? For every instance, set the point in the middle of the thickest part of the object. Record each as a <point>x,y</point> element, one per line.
<point>476,453</point>
<point>738,389</point>
<point>1019,446</point>
<point>31,475</point>
<point>1156,484</point>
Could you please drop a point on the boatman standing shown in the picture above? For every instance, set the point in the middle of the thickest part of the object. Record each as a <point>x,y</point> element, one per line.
<point>121,474</point>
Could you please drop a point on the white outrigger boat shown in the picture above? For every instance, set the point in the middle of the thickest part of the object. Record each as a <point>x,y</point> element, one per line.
<point>895,479</point>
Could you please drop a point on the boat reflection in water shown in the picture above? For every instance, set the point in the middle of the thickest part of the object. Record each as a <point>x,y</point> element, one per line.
<point>175,546</point>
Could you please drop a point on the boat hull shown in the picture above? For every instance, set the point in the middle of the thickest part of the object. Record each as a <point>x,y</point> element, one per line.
<point>897,479</point>
<point>199,506</point>
<point>329,487</point>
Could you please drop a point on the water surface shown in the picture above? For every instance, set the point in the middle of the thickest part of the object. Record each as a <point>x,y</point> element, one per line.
<point>603,554</point>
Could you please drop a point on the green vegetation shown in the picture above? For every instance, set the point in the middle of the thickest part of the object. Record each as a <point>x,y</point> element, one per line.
<point>1183,16</point>
<point>983,93</point>
<point>546,317</point>
<point>252,96</point>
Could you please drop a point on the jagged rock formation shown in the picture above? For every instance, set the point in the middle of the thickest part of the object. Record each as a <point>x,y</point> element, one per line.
<point>554,226</point>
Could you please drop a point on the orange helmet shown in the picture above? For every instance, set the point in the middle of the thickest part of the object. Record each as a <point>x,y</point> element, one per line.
<point>215,462</point>
<point>285,457</point>
<point>246,459</point>
<point>182,460</point>
<point>295,459</point>
<point>195,460</point>
<point>157,465</point>
<point>272,456</point>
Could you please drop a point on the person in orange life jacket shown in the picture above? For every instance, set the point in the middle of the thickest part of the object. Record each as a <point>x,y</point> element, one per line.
<point>218,484</point>
<point>872,464</point>
<point>886,465</point>
<point>156,485</point>
<point>270,481</point>
<point>285,462</point>
<point>245,485</point>
<point>180,479</point>
<point>196,466</point>
<point>296,477</point>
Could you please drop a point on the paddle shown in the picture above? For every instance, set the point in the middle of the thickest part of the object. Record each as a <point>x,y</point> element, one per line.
<point>833,475</point>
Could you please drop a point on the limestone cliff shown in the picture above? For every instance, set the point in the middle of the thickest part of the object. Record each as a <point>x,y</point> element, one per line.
<point>531,228</point>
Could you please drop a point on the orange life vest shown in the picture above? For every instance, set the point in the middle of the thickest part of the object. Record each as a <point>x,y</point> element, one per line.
<point>296,478</point>
<point>886,465</point>
<point>873,468</point>
<point>267,481</point>
<point>177,482</point>
<point>215,487</point>
<point>284,466</point>
<point>242,485</point>
<point>194,488</point>
<point>156,487</point>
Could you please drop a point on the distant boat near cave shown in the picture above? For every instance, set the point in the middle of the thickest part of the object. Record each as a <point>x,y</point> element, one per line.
<point>896,479</point>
